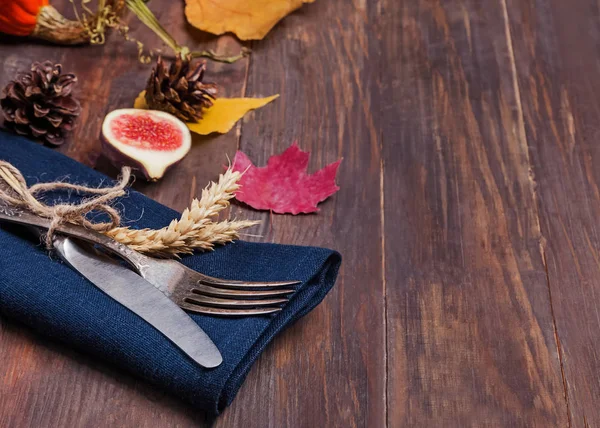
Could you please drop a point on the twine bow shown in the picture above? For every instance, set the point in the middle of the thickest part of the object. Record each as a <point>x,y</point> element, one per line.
<point>20,195</point>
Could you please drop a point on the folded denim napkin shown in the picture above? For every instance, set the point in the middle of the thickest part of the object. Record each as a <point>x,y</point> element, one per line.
<point>56,301</point>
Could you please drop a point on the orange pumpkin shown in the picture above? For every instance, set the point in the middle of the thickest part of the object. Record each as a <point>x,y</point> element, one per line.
<point>19,17</point>
<point>38,19</point>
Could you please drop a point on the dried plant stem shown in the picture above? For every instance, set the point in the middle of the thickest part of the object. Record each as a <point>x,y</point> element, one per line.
<point>144,14</point>
<point>195,229</point>
<point>210,54</point>
<point>168,243</point>
<point>198,227</point>
<point>90,26</point>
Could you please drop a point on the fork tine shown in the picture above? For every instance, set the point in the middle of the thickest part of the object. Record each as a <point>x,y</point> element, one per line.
<point>226,283</point>
<point>225,292</point>
<point>229,303</point>
<point>207,310</point>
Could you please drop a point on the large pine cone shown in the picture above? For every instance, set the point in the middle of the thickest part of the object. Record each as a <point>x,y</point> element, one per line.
<point>179,90</point>
<point>39,103</point>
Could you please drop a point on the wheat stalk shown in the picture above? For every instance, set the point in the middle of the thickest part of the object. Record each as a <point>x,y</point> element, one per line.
<point>198,227</point>
<point>195,229</point>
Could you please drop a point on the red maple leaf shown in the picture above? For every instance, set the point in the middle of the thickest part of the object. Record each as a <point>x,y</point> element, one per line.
<point>284,186</point>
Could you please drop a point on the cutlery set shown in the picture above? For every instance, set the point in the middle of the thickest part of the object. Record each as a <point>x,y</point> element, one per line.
<point>158,290</point>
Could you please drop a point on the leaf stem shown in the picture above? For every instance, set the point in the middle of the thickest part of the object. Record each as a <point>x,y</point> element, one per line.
<point>220,58</point>
<point>144,14</point>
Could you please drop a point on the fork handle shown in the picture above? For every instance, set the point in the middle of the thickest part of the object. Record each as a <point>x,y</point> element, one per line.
<point>14,215</point>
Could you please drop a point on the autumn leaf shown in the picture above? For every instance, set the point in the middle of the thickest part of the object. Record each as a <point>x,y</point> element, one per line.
<point>249,20</point>
<point>221,116</point>
<point>140,101</point>
<point>284,186</point>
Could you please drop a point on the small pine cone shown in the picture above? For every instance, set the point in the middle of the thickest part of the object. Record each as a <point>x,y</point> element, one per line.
<point>39,104</point>
<point>179,90</point>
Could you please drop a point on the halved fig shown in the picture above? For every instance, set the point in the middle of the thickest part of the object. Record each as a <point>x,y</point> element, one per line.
<point>149,140</point>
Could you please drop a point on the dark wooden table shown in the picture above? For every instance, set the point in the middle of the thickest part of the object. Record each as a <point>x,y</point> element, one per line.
<point>468,217</point>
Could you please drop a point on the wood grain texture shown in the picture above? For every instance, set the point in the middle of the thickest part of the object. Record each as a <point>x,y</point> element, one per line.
<point>470,330</point>
<point>558,69</point>
<point>468,293</point>
<point>43,384</point>
<point>329,369</point>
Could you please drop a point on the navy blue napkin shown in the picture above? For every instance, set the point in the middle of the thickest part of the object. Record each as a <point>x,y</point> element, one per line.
<point>56,301</point>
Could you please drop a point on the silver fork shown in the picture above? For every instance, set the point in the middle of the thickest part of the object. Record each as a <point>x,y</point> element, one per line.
<point>191,290</point>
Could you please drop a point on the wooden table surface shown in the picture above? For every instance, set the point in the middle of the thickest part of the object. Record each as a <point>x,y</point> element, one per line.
<point>467,217</point>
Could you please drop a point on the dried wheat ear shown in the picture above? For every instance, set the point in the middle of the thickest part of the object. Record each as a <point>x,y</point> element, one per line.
<point>198,227</point>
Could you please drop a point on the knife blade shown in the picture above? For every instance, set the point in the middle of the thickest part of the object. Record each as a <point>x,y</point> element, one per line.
<point>142,298</point>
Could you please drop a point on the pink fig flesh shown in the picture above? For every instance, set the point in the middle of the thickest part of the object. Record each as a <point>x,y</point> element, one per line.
<point>148,140</point>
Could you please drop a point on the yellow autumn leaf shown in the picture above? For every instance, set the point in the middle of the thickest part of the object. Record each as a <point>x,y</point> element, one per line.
<point>249,20</point>
<point>221,116</point>
<point>140,101</point>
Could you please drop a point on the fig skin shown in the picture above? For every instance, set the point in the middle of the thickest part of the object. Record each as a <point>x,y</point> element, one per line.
<point>152,172</point>
<point>119,160</point>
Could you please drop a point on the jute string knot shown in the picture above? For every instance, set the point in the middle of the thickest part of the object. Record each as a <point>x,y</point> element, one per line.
<point>18,194</point>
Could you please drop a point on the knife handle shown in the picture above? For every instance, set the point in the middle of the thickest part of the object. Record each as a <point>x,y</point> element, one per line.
<point>15,215</point>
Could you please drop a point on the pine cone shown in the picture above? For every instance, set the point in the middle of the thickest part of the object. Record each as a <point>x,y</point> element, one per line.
<point>39,103</point>
<point>180,90</point>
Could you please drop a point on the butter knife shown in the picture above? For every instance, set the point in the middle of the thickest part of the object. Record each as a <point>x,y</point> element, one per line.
<point>142,298</point>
